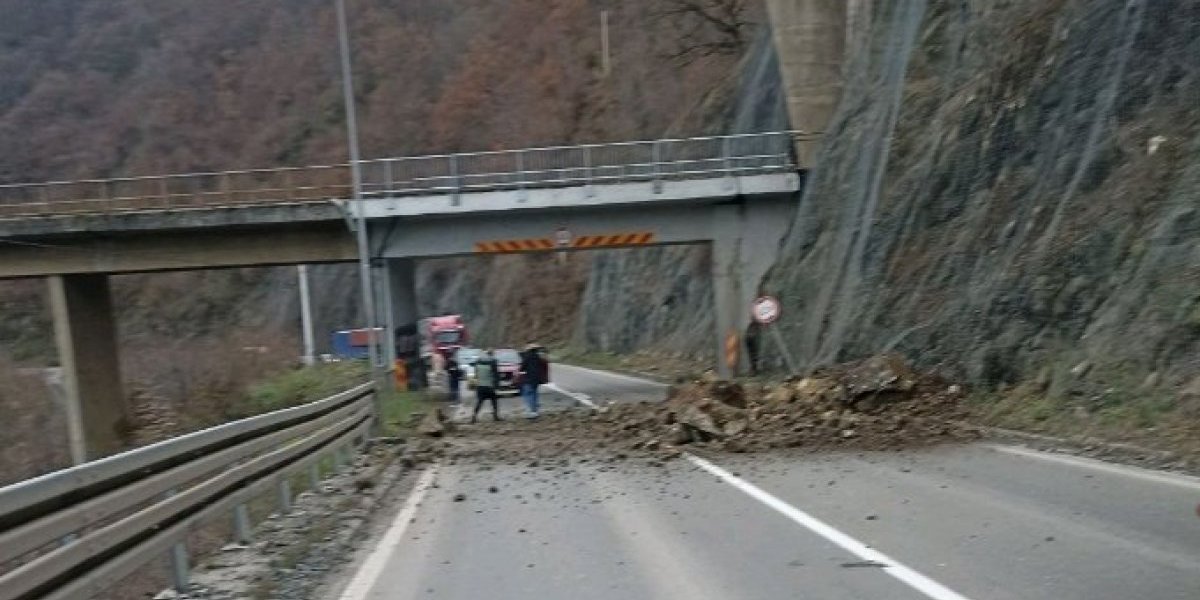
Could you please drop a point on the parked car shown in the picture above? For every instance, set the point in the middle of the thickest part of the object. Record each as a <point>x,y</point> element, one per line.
<point>510,363</point>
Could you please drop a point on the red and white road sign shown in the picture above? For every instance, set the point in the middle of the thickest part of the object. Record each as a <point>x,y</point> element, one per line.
<point>766,310</point>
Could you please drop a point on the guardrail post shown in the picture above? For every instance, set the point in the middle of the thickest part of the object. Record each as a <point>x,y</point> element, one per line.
<point>284,494</point>
<point>180,569</point>
<point>727,162</point>
<point>162,191</point>
<point>521,176</point>
<point>455,180</point>
<point>339,461</point>
<point>242,531</point>
<point>314,477</point>
<point>587,171</point>
<point>656,159</point>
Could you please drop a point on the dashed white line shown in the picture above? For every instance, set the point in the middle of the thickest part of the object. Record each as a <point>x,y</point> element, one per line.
<point>1183,481</point>
<point>912,578</point>
<point>373,566</point>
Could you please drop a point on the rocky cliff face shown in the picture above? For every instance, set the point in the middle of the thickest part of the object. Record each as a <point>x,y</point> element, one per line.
<point>656,299</point>
<point>1009,192</point>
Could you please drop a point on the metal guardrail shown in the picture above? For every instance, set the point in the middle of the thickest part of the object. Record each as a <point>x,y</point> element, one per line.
<point>582,165</point>
<point>73,533</point>
<point>556,166</point>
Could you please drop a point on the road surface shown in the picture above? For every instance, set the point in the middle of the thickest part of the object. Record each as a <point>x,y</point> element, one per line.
<point>980,521</point>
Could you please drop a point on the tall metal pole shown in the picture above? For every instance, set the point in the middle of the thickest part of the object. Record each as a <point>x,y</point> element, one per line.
<point>306,324</point>
<point>605,60</point>
<point>364,257</point>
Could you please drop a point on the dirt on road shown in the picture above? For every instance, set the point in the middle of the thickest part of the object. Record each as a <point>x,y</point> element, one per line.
<point>876,404</point>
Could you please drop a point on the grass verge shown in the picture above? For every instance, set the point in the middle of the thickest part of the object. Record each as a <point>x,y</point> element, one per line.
<point>301,385</point>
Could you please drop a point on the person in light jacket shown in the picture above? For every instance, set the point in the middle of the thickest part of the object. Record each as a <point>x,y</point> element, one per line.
<point>487,375</point>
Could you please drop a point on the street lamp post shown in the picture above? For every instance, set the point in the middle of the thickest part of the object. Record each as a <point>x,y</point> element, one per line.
<point>364,257</point>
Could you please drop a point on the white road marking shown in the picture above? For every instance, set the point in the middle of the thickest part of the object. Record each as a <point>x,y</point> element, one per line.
<point>619,376</point>
<point>1183,481</point>
<point>373,566</point>
<point>578,397</point>
<point>912,578</point>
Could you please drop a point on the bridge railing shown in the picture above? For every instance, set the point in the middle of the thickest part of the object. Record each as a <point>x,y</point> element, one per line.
<point>588,164</point>
<point>75,532</point>
<point>555,166</point>
<point>177,191</point>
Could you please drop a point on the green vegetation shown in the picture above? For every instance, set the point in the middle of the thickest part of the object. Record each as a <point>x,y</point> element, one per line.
<point>302,385</point>
<point>397,408</point>
<point>1117,409</point>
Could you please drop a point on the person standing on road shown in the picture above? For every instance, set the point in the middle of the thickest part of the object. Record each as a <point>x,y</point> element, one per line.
<point>454,376</point>
<point>532,372</point>
<point>487,375</point>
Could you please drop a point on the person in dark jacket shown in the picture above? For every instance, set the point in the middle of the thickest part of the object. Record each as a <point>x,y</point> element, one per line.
<point>532,371</point>
<point>487,375</point>
<point>454,374</point>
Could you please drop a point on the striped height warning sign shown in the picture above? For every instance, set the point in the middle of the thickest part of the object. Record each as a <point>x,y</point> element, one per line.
<point>614,240</point>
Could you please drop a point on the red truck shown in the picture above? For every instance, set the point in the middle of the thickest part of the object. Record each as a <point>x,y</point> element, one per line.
<point>445,334</point>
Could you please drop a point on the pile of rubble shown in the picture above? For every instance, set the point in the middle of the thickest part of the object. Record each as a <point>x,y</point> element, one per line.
<point>876,404</point>
<point>879,403</point>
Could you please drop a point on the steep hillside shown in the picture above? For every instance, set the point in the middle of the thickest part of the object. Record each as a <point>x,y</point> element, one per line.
<point>129,87</point>
<point>1009,192</point>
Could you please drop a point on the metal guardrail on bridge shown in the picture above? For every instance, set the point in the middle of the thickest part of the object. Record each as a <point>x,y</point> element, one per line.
<point>76,532</point>
<point>556,166</point>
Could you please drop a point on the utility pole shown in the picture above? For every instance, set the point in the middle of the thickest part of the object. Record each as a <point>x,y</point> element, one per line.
<point>605,58</point>
<point>306,325</point>
<point>364,249</point>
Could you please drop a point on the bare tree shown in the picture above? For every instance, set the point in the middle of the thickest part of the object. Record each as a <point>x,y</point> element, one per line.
<point>707,27</point>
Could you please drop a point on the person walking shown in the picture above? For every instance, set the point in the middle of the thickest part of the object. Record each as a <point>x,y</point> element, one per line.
<point>532,372</point>
<point>487,375</point>
<point>454,377</point>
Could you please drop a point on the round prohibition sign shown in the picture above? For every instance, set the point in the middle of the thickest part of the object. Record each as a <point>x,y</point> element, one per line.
<point>766,310</point>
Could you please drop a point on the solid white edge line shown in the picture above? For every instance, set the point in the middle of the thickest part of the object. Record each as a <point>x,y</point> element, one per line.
<point>612,375</point>
<point>581,398</point>
<point>1176,479</point>
<point>912,578</point>
<point>373,566</point>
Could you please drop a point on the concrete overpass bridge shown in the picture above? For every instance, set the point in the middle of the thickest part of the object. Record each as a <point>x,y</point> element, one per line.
<point>735,193</point>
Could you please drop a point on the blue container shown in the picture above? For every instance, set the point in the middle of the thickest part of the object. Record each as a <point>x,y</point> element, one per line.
<point>344,348</point>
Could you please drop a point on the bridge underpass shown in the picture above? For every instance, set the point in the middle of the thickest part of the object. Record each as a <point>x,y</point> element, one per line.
<point>734,193</point>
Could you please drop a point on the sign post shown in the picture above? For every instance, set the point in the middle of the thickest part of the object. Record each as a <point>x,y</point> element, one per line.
<point>766,310</point>
<point>562,240</point>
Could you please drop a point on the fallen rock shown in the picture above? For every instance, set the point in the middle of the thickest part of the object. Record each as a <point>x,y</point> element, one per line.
<point>435,424</point>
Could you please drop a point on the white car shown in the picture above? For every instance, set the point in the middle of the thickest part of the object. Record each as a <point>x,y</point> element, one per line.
<point>466,357</point>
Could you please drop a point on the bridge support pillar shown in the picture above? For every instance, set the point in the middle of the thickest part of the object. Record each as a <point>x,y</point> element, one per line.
<point>727,291</point>
<point>810,38</point>
<point>86,335</point>
<point>402,317</point>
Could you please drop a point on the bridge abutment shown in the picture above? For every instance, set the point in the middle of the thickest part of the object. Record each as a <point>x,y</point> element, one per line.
<point>86,336</point>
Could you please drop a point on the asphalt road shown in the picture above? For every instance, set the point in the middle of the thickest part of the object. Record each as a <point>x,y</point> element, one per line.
<point>976,522</point>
